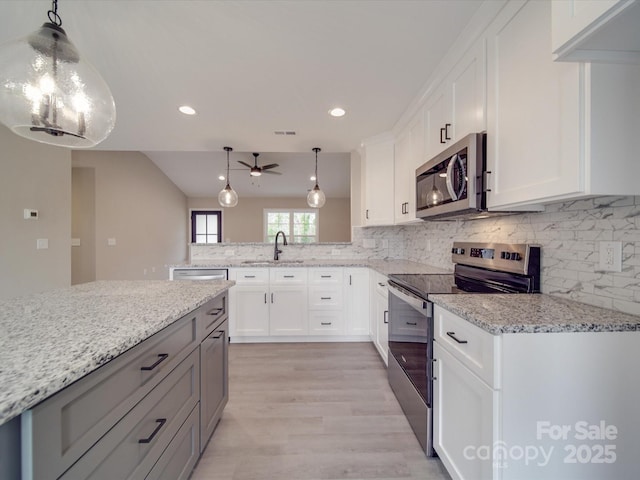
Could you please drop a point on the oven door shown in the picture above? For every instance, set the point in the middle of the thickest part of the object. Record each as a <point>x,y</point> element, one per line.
<point>410,337</point>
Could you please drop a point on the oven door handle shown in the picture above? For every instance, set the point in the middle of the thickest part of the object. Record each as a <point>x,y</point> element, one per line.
<point>417,303</point>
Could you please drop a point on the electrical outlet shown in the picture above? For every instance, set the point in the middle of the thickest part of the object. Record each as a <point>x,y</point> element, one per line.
<point>368,243</point>
<point>335,251</point>
<point>385,243</point>
<point>610,257</point>
<point>111,242</point>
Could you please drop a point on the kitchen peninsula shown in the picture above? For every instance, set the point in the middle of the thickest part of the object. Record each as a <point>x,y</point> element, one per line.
<point>119,347</point>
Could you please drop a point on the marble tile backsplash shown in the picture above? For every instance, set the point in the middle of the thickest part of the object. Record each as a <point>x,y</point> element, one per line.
<point>568,232</point>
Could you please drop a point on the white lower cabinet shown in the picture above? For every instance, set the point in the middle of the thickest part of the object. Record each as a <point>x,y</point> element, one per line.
<point>288,314</point>
<point>526,406</point>
<point>380,315</point>
<point>356,298</point>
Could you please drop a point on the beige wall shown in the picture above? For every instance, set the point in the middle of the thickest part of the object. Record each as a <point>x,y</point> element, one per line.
<point>36,176</point>
<point>138,206</point>
<point>244,222</point>
<point>83,224</point>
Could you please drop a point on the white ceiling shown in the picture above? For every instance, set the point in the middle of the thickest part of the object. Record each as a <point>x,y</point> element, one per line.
<point>250,68</point>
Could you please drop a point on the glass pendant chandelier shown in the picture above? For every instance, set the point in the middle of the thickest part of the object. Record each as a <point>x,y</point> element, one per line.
<point>316,197</point>
<point>51,95</point>
<point>228,196</point>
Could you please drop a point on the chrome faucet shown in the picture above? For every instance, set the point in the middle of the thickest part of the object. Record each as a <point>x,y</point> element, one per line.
<point>276,252</point>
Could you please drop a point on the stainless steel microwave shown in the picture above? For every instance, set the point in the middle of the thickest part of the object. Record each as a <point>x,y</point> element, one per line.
<point>452,184</point>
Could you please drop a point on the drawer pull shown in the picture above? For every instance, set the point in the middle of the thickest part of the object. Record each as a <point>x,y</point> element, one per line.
<point>325,276</point>
<point>453,335</point>
<point>325,323</point>
<point>218,336</point>
<point>289,276</point>
<point>160,422</point>
<point>413,324</point>
<point>385,316</point>
<point>249,276</point>
<point>161,358</point>
<point>215,311</point>
<point>325,298</point>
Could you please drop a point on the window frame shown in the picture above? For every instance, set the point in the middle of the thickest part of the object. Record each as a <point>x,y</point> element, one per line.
<point>206,211</point>
<point>291,212</point>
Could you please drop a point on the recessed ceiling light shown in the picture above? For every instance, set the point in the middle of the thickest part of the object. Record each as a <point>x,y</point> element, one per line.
<point>187,110</point>
<point>337,112</point>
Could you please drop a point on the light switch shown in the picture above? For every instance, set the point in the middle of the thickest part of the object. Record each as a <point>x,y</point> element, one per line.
<point>111,242</point>
<point>42,243</point>
<point>75,242</point>
<point>30,214</point>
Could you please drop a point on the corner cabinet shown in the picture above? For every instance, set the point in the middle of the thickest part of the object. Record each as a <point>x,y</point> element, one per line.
<point>556,131</point>
<point>378,169</point>
<point>140,415</point>
<point>497,397</point>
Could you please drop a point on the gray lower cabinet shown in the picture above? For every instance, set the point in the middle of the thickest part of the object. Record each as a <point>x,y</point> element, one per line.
<point>214,387</point>
<point>145,414</point>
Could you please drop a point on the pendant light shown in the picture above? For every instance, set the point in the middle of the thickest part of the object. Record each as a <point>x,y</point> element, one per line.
<point>49,94</point>
<point>228,196</point>
<point>316,197</point>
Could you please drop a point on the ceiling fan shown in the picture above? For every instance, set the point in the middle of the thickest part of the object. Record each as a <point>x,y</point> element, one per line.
<point>256,170</point>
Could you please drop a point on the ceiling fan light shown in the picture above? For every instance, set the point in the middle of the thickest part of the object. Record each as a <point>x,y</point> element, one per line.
<point>255,172</point>
<point>50,94</point>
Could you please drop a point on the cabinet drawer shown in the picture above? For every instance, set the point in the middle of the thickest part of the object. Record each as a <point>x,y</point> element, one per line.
<point>133,446</point>
<point>288,275</point>
<point>326,322</point>
<point>64,426</point>
<point>251,275</point>
<point>181,455</point>
<point>325,297</point>
<point>211,314</point>
<point>325,276</point>
<point>476,349</point>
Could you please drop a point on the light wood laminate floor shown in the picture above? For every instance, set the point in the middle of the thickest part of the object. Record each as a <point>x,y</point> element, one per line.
<point>309,411</point>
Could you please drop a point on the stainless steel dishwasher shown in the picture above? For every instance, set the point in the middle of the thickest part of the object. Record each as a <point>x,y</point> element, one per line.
<point>198,273</point>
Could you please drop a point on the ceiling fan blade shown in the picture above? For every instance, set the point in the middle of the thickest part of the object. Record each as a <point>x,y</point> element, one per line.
<point>270,172</point>
<point>271,165</point>
<point>245,164</point>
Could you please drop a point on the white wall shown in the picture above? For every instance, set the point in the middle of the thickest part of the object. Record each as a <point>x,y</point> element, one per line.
<point>37,176</point>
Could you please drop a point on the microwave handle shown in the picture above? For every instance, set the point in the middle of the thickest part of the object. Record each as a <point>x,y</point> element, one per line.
<point>452,193</point>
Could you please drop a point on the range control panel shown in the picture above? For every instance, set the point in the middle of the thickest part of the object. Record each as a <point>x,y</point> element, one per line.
<point>508,257</point>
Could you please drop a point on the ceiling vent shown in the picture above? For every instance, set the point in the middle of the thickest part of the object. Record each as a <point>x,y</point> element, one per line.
<point>284,132</point>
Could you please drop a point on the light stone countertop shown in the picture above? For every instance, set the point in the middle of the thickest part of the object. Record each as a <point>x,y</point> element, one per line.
<point>536,313</point>
<point>51,339</point>
<point>386,267</point>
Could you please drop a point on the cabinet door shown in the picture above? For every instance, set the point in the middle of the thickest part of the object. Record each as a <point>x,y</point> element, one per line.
<point>533,137</point>
<point>214,382</point>
<point>356,285</point>
<point>436,116</point>
<point>382,336</point>
<point>404,177</point>
<point>249,314</point>
<point>288,314</point>
<point>463,418</point>
<point>379,183</point>
<point>468,94</point>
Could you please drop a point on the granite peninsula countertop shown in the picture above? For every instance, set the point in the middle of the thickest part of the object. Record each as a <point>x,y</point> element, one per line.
<point>537,313</point>
<point>386,267</point>
<point>51,339</point>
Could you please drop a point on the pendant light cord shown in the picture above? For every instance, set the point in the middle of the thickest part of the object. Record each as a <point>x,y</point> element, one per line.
<point>53,14</point>
<point>316,149</point>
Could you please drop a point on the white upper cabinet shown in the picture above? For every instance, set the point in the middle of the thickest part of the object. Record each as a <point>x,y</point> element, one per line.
<point>378,180</point>
<point>555,131</point>
<point>408,155</point>
<point>457,107</point>
<point>596,30</point>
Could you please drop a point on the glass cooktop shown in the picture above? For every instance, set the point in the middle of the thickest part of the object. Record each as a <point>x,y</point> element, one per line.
<point>425,284</point>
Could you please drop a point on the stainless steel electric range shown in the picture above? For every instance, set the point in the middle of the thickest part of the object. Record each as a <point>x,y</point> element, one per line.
<point>479,268</point>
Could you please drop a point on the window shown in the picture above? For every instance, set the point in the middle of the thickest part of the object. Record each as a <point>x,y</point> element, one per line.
<point>300,226</point>
<point>206,226</point>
